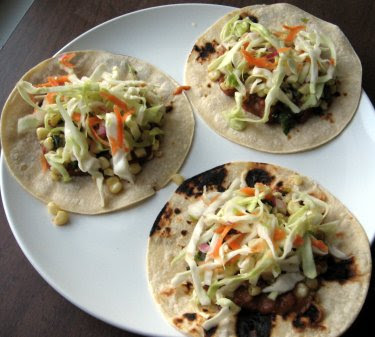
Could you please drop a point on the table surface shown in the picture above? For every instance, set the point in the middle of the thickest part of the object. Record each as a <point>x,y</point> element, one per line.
<point>28,305</point>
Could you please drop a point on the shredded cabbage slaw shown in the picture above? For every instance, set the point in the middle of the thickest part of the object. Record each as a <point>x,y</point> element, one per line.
<point>291,66</point>
<point>245,233</point>
<point>107,114</point>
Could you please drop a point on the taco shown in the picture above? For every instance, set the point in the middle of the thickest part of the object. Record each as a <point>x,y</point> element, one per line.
<point>253,249</point>
<point>95,132</point>
<point>274,78</point>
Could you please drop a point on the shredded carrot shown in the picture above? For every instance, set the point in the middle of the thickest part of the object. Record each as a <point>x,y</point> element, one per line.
<point>278,234</point>
<point>180,89</point>
<point>224,231</point>
<point>51,97</point>
<point>76,116</point>
<point>58,79</point>
<point>332,61</point>
<point>92,121</point>
<point>114,100</point>
<point>43,161</point>
<point>114,145</point>
<point>120,128</point>
<point>127,114</point>
<point>66,58</point>
<point>248,191</point>
<point>54,81</point>
<point>220,229</point>
<point>320,245</point>
<point>298,240</point>
<point>261,62</point>
<point>236,243</point>
<point>293,31</point>
<point>283,50</point>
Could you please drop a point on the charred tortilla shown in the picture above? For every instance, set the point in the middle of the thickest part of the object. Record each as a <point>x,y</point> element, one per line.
<point>211,103</point>
<point>327,311</point>
<point>22,151</point>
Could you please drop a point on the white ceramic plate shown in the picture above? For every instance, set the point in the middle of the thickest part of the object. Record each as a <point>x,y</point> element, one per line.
<point>98,262</point>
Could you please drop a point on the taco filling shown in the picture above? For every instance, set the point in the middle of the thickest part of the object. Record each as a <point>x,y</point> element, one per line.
<point>98,125</point>
<point>260,248</point>
<point>284,76</point>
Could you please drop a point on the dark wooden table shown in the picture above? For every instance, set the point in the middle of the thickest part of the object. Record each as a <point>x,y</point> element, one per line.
<point>28,305</point>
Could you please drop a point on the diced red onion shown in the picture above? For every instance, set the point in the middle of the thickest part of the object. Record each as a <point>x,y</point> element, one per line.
<point>204,247</point>
<point>280,205</point>
<point>273,53</point>
<point>101,132</point>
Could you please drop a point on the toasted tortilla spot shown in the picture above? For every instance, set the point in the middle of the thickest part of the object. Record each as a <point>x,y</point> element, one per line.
<point>183,232</point>
<point>258,175</point>
<point>168,292</point>
<point>169,108</point>
<point>253,324</point>
<point>156,226</point>
<point>205,50</point>
<point>212,179</point>
<point>339,270</point>
<point>188,287</point>
<point>166,233</point>
<point>190,316</point>
<point>309,319</point>
<point>250,16</point>
<point>177,321</point>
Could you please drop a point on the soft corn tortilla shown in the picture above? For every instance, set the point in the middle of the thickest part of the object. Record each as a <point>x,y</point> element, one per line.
<point>22,151</point>
<point>171,232</point>
<point>209,101</point>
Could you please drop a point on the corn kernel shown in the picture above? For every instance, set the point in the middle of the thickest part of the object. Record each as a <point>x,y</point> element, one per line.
<point>52,208</point>
<point>48,144</point>
<point>111,181</point>
<point>214,75</point>
<point>61,218</point>
<point>178,179</point>
<point>104,163</point>
<point>108,172</point>
<point>41,133</point>
<point>54,120</point>
<point>115,188</point>
<point>140,152</point>
<point>301,290</point>
<point>114,185</point>
<point>135,168</point>
<point>60,151</point>
<point>254,290</point>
